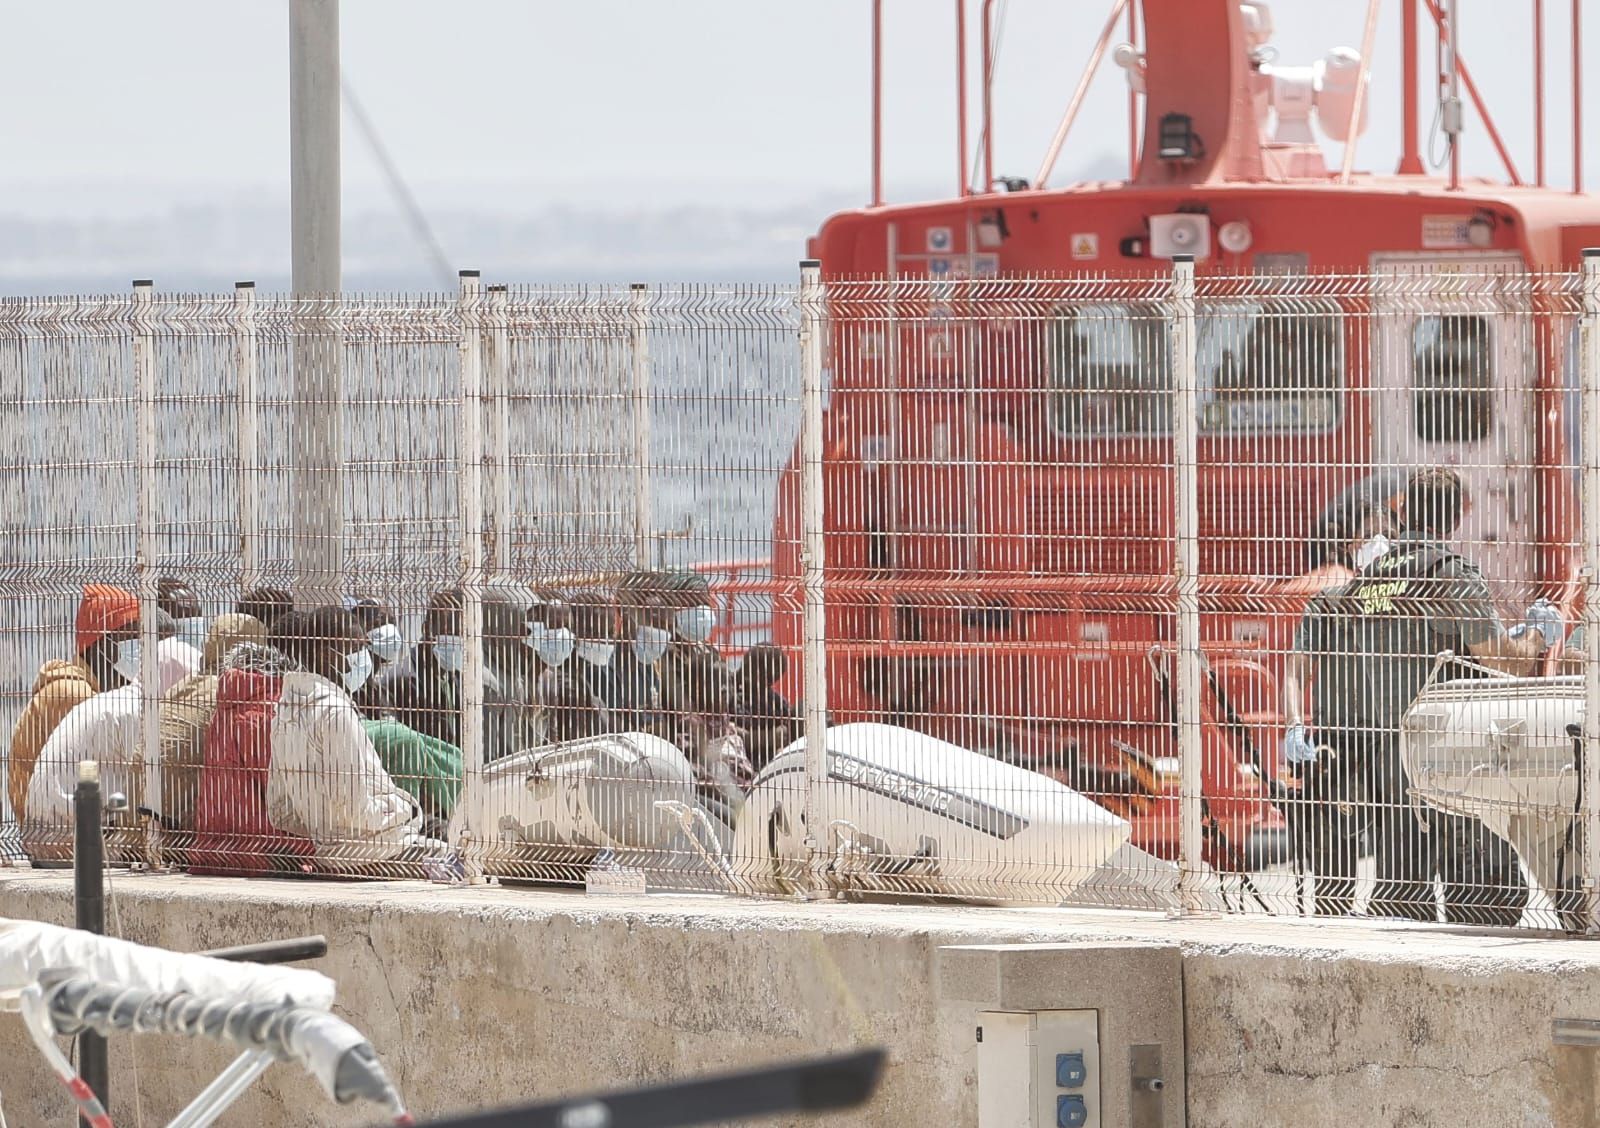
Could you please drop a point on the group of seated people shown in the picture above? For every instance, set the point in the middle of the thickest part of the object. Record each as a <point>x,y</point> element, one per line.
<point>305,739</point>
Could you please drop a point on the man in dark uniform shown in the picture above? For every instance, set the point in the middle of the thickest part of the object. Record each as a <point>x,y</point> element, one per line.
<point>1407,607</point>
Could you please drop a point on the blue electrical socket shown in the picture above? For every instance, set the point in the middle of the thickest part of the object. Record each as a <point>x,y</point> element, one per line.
<point>1071,1112</point>
<point>1070,1071</point>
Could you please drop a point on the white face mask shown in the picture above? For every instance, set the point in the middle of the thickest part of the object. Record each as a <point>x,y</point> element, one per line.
<point>358,668</point>
<point>386,642</point>
<point>193,631</point>
<point>553,645</point>
<point>450,652</point>
<point>695,623</point>
<point>650,644</point>
<point>129,653</point>
<point>1371,551</point>
<point>596,653</point>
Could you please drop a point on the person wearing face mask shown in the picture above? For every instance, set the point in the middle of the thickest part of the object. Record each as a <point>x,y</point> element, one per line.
<point>388,647</point>
<point>425,692</point>
<point>633,679</point>
<point>698,693</point>
<point>106,657</point>
<point>1416,601</point>
<point>183,650</point>
<point>105,727</point>
<point>512,670</point>
<point>327,781</point>
<point>580,703</point>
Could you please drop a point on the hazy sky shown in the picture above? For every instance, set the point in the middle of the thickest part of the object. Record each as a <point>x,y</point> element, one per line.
<point>121,109</point>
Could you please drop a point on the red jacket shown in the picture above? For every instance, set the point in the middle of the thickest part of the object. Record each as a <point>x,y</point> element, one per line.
<point>233,834</point>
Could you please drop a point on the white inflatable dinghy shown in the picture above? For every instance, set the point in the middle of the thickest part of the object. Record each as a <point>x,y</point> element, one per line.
<point>1503,750</point>
<point>909,814</point>
<point>624,799</point>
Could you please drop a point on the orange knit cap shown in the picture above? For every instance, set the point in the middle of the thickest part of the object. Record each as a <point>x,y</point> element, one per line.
<point>103,610</point>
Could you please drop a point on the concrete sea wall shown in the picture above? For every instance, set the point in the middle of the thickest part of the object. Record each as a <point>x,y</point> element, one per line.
<point>485,996</point>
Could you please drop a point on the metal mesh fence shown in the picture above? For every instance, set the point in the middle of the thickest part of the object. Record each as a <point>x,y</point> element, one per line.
<point>1260,593</point>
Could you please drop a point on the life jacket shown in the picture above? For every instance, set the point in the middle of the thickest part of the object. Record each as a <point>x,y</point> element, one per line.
<point>233,834</point>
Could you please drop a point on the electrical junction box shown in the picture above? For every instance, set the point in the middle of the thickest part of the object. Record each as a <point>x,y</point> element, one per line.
<point>1039,1069</point>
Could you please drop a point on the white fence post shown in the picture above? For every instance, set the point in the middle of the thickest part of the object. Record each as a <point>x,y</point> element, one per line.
<point>1589,382</point>
<point>469,484</point>
<point>144,375</point>
<point>638,309</point>
<point>496,378</point>
<point>246,362</point>
<point>1189,664</point>
<point>814,622</point>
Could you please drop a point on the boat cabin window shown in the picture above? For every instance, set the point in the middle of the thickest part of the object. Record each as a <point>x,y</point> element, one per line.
<point>1452,378</point>
<point>1111,367</point>
<point>1269,366</point>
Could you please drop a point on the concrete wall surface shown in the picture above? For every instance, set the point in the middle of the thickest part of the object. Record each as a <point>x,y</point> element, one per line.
<point>483,996</point>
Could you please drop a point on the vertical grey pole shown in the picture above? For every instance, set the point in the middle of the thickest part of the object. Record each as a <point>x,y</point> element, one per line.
<point>144,374</point>
<point>814,623</point>
<point>246,363</point>
<point>1589,382</point>
<point>89,909</point>
<point>643,517</point>
<point>469,479</point>
<point>1186,565</point>
<point>314,145</point>
<point>497,380</point>
<point>318,507</point>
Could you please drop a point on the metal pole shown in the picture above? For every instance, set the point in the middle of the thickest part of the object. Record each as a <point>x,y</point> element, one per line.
<point>89,908</point>
<point>318,508</point>
<point>1538,92</point>
<point>1133,98</point>
<point>499,461</point>
<point>246,364</point>
<point>1410,155</point>
<point>987,140</point>
<point>1453,116</point>
<point>961,98</point>
<point>1577,96</point>
<point>1186,566</point>
<point>469,476</point>
<point>1047,165</point>
<point>144,374</point>
<point>877,102</point>
<point>1369,36</point>
<point>643,514</point>
<point>814,622</point>
<point>1589,383</point>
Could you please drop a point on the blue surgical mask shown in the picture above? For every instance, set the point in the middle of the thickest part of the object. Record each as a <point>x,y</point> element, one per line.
<point>386,642</point>
<point>553,645</point>
<point>650,644</point>
<point>596,653</point>
<point>127,663</point>
<point>358,668</point>
<point>192,631</point>
<point>450,652</point>
<point>695,623</point>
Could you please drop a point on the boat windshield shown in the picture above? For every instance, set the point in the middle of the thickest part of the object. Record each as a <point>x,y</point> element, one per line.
<point>1269,366</point>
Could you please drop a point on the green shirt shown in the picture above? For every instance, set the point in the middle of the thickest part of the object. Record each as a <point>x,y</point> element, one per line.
<point>423,766</point>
